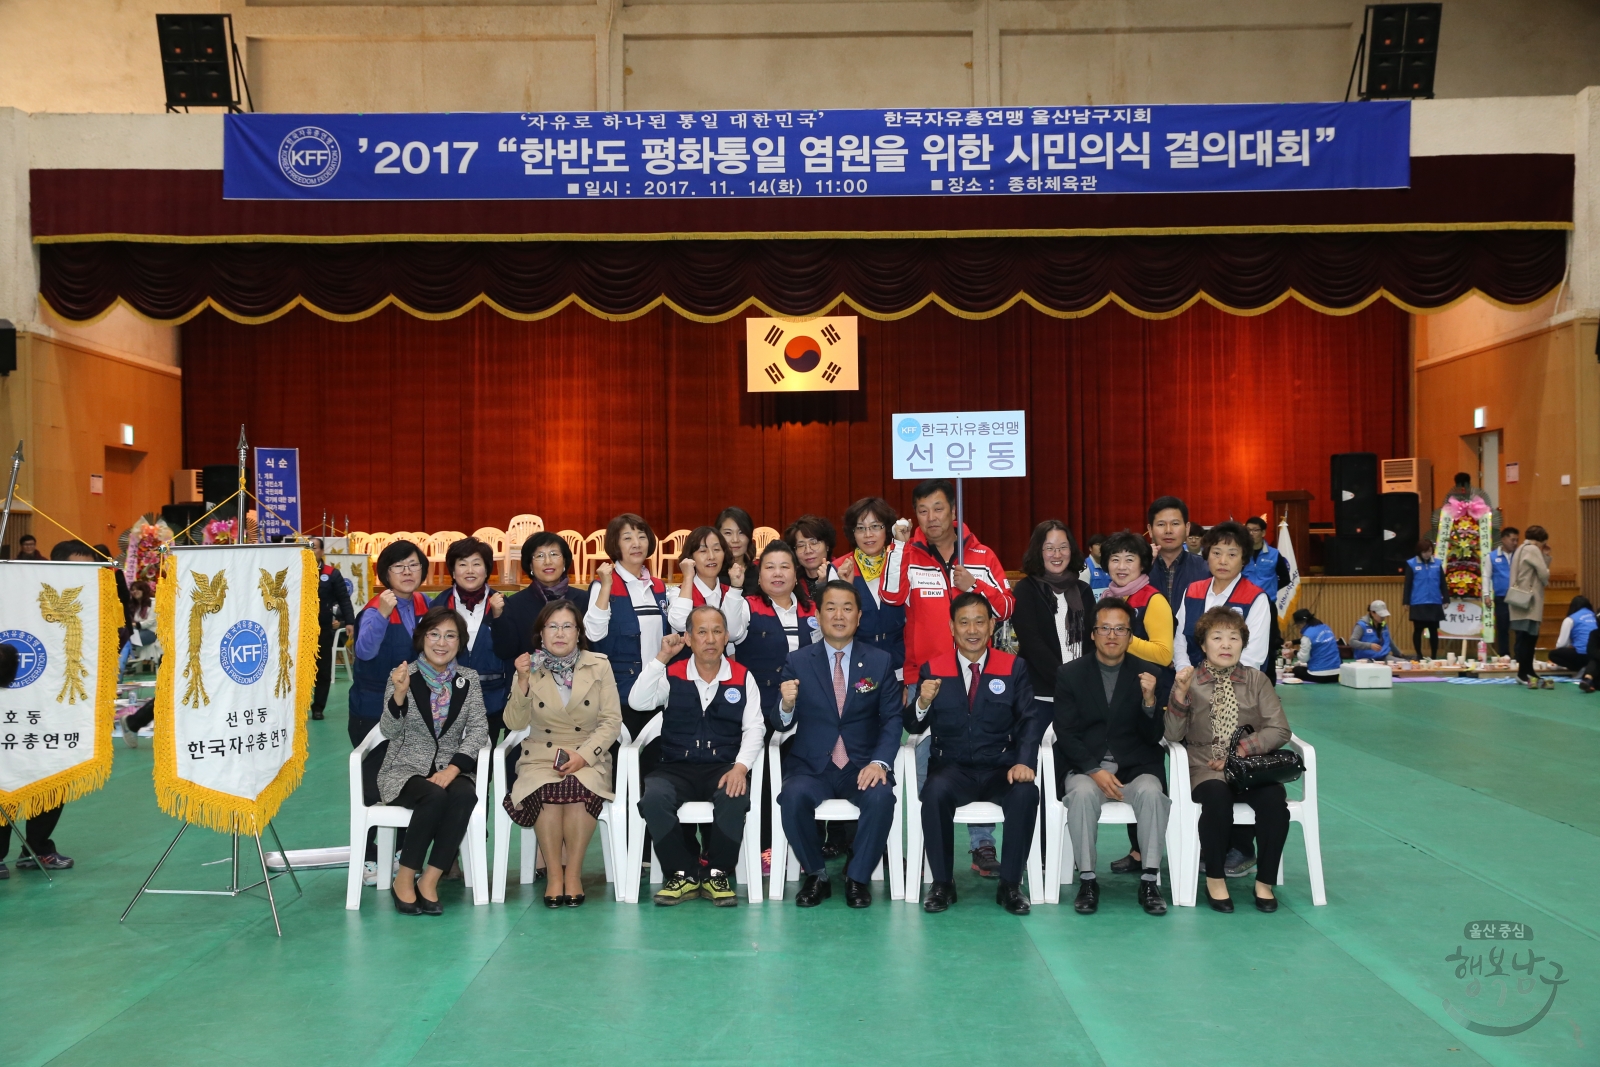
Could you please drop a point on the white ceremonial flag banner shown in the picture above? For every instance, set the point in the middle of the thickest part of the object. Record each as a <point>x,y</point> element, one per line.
<point>239,626</point>
<point>808,356</point>
<point>55,719</point>
<point>1287,594</point>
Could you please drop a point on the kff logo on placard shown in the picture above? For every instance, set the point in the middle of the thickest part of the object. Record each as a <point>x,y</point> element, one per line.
<point>31,657</point>
<point>909,429</point>
<point>243,652</point>
<point>309,156</point>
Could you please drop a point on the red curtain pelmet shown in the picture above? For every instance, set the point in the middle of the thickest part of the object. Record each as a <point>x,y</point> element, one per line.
<point>409,424</point>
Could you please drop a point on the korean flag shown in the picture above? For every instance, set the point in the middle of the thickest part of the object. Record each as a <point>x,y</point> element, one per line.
<point>807,356</point>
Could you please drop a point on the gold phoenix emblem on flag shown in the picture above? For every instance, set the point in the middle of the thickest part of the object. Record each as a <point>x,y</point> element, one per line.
<point>64,608</point>
<point>275,595</point>
<point>205,599</point>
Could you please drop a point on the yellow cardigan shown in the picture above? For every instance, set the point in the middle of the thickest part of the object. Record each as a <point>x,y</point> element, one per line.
<point>1158,624</point>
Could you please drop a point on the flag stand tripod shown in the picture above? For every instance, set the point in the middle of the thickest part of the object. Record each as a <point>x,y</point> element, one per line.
<point>19,830</point>
<point>234,888</point>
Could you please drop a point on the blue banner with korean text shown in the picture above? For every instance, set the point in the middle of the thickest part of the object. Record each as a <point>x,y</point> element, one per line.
<point>278,490</point>
<point>1161,148</point>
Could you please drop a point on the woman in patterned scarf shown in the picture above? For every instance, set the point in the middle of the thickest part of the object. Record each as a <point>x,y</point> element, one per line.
<point>1207,708</point>
<point>568,696</point>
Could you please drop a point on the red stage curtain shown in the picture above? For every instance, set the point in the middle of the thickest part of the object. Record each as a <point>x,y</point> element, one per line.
<point>411,424</point>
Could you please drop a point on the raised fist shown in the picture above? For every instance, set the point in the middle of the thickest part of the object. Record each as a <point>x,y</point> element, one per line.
<point>497,604</point>
<point>686,566</point>
<point>736,575</point>
<point>1180,685</point>
<point>1147,686</point>
<point>902,530</point>
<point>387,603</point>
<point>847,569</point>
<point>927,691</point>
<point>671,645</point>
<point>791,691</point>
<point>602,574</point>
<point>401,677</point>
<point>524,664</point>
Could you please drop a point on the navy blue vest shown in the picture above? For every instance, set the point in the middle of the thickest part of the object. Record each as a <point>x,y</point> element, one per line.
<point>621,644</point>
<point>690,734</point>
<point>1324,648</point>
<point>983,735</point>
<point>1194,605</point>
<point>883,626</point>
<point>370,676</point>
<point>765,648</point>
<point>494,677</point>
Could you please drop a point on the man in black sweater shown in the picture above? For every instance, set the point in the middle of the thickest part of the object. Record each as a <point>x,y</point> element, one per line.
<point>1108,734</point>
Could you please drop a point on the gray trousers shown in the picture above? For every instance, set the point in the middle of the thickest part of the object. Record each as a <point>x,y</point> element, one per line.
<point>1084,802</point>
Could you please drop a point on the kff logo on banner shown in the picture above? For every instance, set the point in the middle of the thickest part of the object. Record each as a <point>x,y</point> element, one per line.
<point>807,356</point>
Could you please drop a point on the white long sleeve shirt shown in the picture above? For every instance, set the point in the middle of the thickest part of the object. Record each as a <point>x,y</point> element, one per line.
<point>651,688</point>
<point>1258,620</point>
<point>597,620</point>
<point>734,607</point>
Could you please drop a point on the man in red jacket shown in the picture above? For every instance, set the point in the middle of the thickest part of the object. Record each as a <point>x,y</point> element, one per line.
<point>924,574</point>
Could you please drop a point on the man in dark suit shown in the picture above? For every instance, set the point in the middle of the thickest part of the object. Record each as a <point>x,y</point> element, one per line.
<point>986,727</point>
<point>843,700</point>
<point>1108,735</point>
<point>334,612</point>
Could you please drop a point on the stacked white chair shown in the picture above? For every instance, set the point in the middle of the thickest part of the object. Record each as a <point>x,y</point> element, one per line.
<point>390,817</point>
<point>630,787</point>
<point>1058,864</point>
<point>518,530</point>
<point>785,865</point>
<point>613,843</point>
<point>1185,867</point>
<point>981,812</point>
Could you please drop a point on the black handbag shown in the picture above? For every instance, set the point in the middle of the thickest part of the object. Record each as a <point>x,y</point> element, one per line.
<point>1242,773</point>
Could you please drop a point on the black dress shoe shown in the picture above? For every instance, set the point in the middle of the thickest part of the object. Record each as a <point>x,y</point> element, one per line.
<point>553,902</point>
<point>813,891</point>
<point>1127,865</point>
<point>1088,899</point>
<point>1266,904</point>
<point>316,714</point>
<point>1150,899</point>
<point>1222,904</point>
<point>857,894</point>
<point>574,901</point>
<point>1009,896</point>
<point>940,896</point>
<point>428,907</point>
<point>401,906</point>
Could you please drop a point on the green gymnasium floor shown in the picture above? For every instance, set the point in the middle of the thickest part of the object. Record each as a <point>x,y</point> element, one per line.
<point>1442,805</point>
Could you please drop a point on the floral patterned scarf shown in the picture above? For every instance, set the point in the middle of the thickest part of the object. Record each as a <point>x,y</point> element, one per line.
<point>439,683</point>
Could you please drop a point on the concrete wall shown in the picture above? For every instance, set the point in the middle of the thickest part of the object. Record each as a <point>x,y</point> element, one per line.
<point>313,55</point>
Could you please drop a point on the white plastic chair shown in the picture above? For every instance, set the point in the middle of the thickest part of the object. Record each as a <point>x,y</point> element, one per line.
<point>613,845</point>
<point>339,653</point>
<point>1186,819</point>
<point>592,553</point>
<point>981,813</point>
<point>518,530</point>
<point>390,817</point>
<point>668,549</point>
<point>359,542</point>
<point>1058,861</point>
<point>786,865</point>
<point>698,812</point>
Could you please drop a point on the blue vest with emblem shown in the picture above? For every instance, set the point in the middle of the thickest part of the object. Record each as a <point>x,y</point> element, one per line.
<point>1194,605</point>
<point>765,648</point>
<point>621,643</point>
<point>984,735</point>
<point>1099,577</point>
<point>1500,567</point>
<point>494,677</point>
<point>691,734</point>
<point>1427,581</point>
<point>1324,648</point>
<point>883,626</point>
<point>1583,625</point>
<point>1263,571</point>
<point>369,676</point>
<point>1370,634</point>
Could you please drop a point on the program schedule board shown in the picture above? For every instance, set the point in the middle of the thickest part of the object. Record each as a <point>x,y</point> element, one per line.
<point>1160,148</point>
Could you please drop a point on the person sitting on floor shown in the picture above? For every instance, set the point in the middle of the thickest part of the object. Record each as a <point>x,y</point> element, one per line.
<point>1108,733</point>
<point>844,701</point>
<point>977,703</point>
<point>1318,659</point>
<point>1208,706</point>
<point>569,698</point>
<point>1369,637</point>
<point>1574,640</point>
<point>434,725</point>
<point>711,735</point>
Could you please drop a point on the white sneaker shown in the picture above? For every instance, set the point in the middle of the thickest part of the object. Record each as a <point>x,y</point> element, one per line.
<point>369,873</point>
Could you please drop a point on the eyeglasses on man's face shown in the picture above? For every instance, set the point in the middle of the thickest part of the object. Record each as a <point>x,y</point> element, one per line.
<point>1112,631</point>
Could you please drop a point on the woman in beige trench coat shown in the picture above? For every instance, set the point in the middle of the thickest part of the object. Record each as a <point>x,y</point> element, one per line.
<point>568,699</point>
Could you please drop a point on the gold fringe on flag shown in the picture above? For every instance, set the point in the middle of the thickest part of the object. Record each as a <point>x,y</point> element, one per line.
<point>84,778</point>
<point>224,812</point>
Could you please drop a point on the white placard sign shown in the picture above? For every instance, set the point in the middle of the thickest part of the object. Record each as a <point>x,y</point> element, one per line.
<point>959,444</point>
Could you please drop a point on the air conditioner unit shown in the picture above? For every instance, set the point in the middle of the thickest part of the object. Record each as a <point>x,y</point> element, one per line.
<point>1408,476</point>
<point>187,487</point>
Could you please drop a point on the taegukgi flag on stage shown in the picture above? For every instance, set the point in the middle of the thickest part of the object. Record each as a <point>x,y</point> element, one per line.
<point>801,355</point>
<point>239,625</point>
<point>55,719</point>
